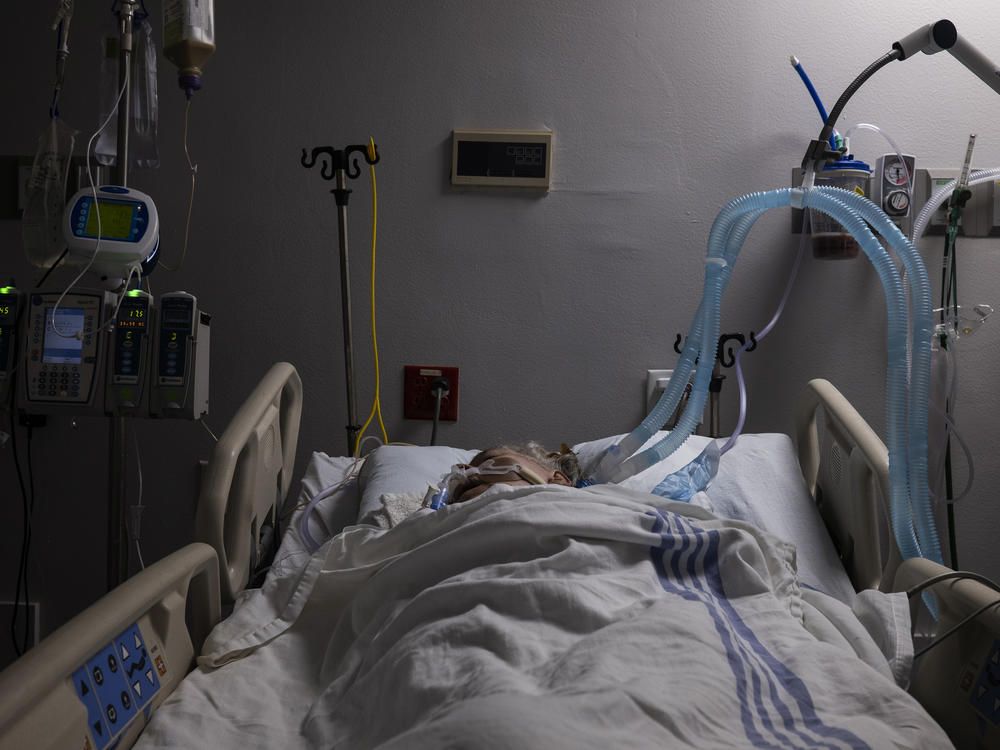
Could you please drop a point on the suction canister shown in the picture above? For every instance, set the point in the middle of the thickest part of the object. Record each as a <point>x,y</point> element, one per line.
<point>830,241</point>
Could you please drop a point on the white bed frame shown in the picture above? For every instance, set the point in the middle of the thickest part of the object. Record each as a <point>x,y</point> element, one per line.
<point>847,473</point>
<point>844,463</point>
<point>846,469</point>
<point>246,481</point>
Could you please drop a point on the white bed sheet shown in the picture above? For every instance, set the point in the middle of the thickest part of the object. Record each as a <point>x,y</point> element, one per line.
<point>550,617</point>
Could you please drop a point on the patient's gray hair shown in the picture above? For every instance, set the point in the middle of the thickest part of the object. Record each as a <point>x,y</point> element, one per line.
<point>564,461</point>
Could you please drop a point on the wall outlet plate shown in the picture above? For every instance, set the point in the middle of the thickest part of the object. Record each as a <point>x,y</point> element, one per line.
<point>656,384</point>
<point>419,402</point>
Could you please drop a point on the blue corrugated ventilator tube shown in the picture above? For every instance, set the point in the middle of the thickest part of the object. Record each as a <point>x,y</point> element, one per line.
<point>911,516</point>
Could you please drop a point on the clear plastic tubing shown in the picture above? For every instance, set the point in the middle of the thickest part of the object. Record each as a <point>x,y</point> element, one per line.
<point>919,385</point>
<point>725,240</point>
<point>698,344</point>
<point>892,145</point>
<point>941,195</point>
<point>304,532</point>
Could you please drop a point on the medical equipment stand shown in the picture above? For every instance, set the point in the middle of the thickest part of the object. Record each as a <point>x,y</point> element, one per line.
<point>117,564</point>
<point>340,167</point>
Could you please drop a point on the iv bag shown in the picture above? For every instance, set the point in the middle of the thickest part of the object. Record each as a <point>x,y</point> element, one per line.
<point>143,151</point>
<point>45,200</point>
<point>188,39</point>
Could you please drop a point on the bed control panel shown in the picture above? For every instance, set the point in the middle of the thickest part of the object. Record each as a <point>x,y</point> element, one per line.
<point>984,692</point>
<point>117,684</point>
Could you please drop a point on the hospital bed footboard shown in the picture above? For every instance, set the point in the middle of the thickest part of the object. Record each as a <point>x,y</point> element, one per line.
<point>957,679</point>
<point>846,468</point>
<point>94,682</point>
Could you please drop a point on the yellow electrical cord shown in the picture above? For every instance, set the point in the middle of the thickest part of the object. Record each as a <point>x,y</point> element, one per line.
<point>376,405</point>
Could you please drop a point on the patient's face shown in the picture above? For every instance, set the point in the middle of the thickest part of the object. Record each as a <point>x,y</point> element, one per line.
<point>476,485</point>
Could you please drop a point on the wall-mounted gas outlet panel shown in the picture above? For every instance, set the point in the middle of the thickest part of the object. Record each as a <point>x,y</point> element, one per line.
<point>418,400</point>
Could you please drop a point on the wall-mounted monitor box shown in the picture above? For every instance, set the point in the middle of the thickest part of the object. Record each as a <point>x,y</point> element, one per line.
<point>501,158</point>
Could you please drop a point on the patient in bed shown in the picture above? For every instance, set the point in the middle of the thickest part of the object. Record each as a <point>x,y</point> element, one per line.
<point>519,464</point>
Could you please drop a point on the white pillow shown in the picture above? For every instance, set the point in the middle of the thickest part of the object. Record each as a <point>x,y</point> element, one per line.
<point>392,469</point>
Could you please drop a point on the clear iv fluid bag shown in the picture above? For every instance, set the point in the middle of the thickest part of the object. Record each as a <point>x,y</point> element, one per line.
<point>188,39</point>
<point>45,196</point>
<point>143,150</point>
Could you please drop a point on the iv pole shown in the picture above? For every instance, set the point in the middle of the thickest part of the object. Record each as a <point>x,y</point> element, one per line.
<point>117,563</point>
<point>339,167</point>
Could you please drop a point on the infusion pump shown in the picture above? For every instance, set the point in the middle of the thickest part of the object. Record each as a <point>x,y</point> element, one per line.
<point>87,353</point>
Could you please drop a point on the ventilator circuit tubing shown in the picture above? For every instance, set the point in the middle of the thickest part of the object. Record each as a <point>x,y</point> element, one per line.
<point>911,517</point>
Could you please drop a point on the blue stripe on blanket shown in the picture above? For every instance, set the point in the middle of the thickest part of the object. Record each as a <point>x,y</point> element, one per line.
<point>764,693</point>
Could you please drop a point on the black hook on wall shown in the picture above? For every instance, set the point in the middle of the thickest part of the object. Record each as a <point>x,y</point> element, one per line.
<point>725,355</point>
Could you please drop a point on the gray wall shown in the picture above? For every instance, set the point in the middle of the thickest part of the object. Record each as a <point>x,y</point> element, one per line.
<point>554,306</point>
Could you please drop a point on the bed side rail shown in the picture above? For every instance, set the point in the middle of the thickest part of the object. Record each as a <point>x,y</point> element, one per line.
<point>95,681</point>
<point>958,680</point>
<point>247,478</point>
<point>847,473</point>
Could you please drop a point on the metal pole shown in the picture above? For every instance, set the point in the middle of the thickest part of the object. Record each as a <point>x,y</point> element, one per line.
<point>340,167</point>
<point>341,193</point>
<point>117,562</point>
<point>125,105</point>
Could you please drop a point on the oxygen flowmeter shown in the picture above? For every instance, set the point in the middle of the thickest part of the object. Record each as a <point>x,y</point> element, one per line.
<point>116,227</point>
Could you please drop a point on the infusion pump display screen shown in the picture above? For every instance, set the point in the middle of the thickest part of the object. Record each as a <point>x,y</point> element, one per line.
<point>115,220</point>
<point>64,343</point>
<point>62,350</point>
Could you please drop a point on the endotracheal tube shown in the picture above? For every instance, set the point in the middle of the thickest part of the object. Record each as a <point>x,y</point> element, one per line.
<point>911,517</point>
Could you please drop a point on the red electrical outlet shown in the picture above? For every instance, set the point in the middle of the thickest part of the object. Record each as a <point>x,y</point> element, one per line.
<point>419,402</point>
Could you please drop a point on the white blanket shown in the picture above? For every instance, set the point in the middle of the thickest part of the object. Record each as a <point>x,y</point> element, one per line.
<point>549,617</point>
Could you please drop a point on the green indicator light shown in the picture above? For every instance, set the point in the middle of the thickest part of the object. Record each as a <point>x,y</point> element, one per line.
<point>7,290</point>
<point>134,293</point>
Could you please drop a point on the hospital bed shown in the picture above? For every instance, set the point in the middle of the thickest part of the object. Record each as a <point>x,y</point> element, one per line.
<point>531,616</point>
